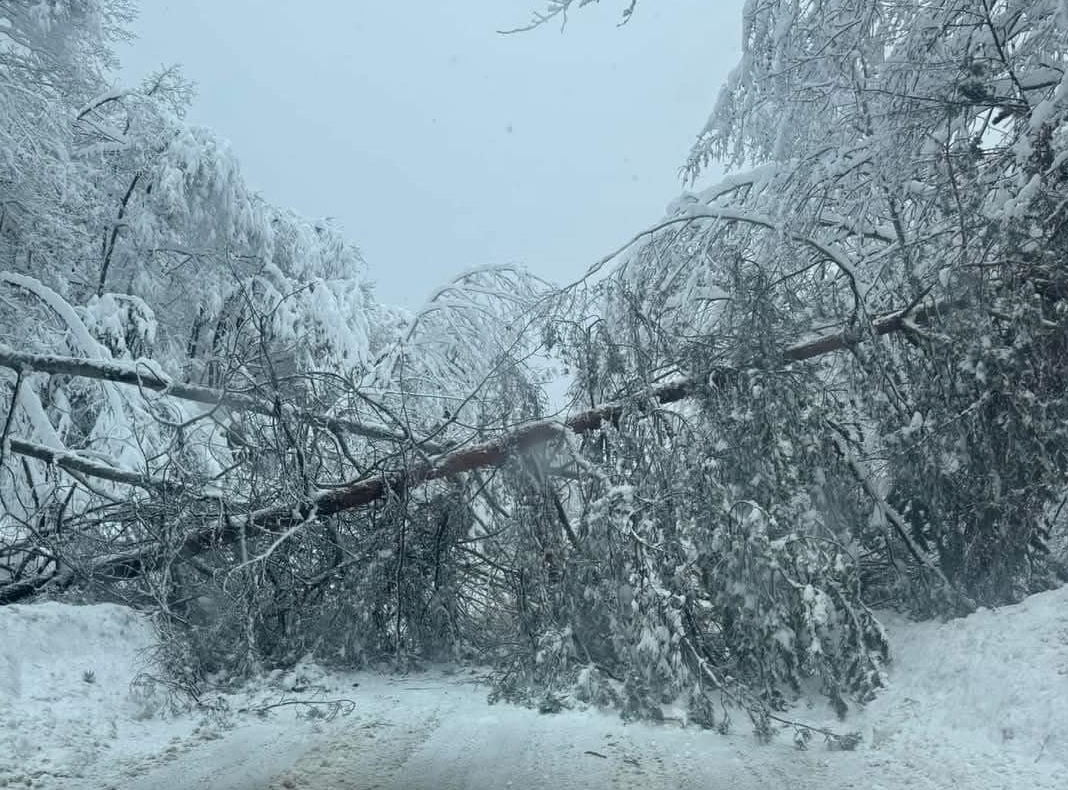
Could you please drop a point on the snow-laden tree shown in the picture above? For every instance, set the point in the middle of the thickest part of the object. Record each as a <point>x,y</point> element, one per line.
<point>896,155</point>
<point>124,232</point>
<point>186,366</point>
<point>54,56</point>
<point>895,190</point>
<point>890,158</point>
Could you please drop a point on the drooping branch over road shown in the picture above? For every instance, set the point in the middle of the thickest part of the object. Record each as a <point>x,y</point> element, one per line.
<point>279,518</point>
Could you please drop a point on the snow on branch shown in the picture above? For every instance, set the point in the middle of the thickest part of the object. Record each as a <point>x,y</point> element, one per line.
<point>60,307</point>
<point>280,519</point>
<point>148,376</point>
<point>560,8</point>
<point>898,321</point>
<point>75,462</point>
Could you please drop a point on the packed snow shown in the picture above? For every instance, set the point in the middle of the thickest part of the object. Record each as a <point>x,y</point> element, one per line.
<point>973,703</point>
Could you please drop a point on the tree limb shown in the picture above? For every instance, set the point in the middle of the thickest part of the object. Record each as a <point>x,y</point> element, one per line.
<point>74,462</point>
<point>145,377</point>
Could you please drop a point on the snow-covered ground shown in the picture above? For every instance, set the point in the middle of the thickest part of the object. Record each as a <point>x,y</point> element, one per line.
<point>977,703</point>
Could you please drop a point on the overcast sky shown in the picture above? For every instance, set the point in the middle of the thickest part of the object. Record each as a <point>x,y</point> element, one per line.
<point>439,144</point>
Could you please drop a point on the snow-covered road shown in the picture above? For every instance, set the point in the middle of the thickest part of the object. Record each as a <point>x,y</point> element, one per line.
<point>438,733</point>
<point>448,739</point>
<point>978,704</point>
<point>437,736</point>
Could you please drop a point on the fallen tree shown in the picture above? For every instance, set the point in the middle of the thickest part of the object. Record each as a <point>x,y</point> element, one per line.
<point>278,519</point>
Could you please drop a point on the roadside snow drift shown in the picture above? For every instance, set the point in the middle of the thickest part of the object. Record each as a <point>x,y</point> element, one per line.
<point>76,711</point>
<point>975,703</point>
<point>65,696</point>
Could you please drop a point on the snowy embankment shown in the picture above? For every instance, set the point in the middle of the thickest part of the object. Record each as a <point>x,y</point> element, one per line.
<point>975,703</point>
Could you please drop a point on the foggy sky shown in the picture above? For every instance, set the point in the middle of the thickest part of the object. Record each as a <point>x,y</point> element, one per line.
<point>439,144</point>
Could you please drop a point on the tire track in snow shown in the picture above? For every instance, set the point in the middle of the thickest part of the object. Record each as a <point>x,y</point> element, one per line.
<point>458,743</point>
<point>368,751</point>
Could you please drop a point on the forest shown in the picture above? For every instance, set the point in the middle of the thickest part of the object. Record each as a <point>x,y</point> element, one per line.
<point>834,383</point>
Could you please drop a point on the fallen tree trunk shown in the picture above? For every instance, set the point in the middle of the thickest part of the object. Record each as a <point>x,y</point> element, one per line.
<point>899,321</point>
<point>279,518</point>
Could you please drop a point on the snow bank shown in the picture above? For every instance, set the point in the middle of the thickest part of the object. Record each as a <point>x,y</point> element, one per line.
<point>65,697</point>
<point>994,682</point>
<point>72,715</point>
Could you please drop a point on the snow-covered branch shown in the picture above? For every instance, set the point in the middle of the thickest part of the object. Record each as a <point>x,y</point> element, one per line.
<point>284,517</point>
<point>146,375</point>
<point>75,462</point>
